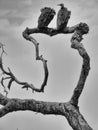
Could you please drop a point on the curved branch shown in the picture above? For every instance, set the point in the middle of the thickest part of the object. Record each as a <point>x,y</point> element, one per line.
<point>12,77</point>
<point>38,57</point>
<point>48,31</point>
<point>70,109</point>
<point>15,104</point>
<point>74,117</point>
<point>76,39</point>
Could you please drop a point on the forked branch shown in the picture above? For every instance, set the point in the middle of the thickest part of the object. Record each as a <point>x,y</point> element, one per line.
<point>70,109</point>
<point>79,30</point>
<point>38,57</point>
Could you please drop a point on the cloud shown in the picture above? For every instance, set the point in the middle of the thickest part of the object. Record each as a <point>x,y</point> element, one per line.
<point>13,14</point>
<point>4,23</point>
<point>16,11</point>
<point>3,12</point>
<point>89,9</point>
<point>26,2</point>
<point>88,3</point>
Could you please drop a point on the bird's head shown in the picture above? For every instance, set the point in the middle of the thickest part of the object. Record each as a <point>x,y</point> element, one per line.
<point>62,5</point>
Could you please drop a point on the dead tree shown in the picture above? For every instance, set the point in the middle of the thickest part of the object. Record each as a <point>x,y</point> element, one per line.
<point>70,110</point>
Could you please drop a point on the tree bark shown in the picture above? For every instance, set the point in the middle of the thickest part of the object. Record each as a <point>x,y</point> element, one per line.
<point>70,110</point>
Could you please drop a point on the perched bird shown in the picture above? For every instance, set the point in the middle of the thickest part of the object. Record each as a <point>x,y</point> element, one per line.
<point>45,17</point>
<point>62,17</point>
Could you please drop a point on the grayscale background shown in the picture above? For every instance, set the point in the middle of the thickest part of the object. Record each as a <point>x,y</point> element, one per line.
<point>64,63</point>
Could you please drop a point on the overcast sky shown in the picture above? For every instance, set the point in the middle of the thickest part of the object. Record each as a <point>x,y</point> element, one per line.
<point>64,63</point>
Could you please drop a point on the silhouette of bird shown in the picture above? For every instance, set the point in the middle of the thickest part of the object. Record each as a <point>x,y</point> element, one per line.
<point>45,17</point>
<point>62,17</point>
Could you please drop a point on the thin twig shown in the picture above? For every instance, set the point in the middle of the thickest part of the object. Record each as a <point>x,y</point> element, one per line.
<point>38,57</point>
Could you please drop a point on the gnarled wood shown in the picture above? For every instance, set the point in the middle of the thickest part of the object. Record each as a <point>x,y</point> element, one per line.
<point>70,110</point>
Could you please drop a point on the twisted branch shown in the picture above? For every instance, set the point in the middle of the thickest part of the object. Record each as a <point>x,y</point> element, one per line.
<point>39,57</point>
<point>70,109</point>
<point>76,44</point>
<point>79,30</point>
<point>8,75</point>
<point>48,31</point>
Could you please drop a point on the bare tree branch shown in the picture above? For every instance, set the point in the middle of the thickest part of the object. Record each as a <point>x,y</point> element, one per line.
<point>48,31</point>
<point>38,57</point>
<point>13,78</point>
<point>26,33</point>
<point>72,113</point>
<point>75,119</point>
<point>76,44</point>
<point>70,109</point>
<point>3,100</point>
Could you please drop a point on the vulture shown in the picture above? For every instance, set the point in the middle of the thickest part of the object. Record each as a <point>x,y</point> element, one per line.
<point>62,17</point>
<point>45,17</point>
